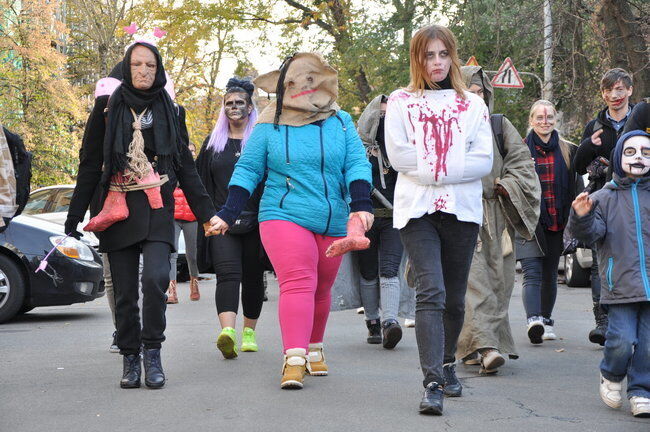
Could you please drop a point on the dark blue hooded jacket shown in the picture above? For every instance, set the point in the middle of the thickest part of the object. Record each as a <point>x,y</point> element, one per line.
<point>619,226</point>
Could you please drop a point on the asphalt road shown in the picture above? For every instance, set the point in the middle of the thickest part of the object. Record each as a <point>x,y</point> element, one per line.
<point>56,374</point>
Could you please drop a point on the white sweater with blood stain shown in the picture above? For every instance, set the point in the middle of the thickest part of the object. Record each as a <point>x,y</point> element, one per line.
<point>441,145</point>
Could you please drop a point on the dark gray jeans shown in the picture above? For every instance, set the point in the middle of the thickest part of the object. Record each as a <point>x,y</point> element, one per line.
<point>440,249</point>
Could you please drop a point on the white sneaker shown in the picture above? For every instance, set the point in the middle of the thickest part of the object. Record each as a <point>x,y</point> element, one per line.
<point>640,406</point>
<point>361,310</point>
<point>549,333</point>
<point>535,330</point>
<point>610,392</point>
<point>409,323</point>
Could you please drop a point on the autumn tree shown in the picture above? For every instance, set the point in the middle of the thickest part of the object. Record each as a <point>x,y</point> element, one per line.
<point>36,99</point>
<point>199,36</point>
<point>95,43</point>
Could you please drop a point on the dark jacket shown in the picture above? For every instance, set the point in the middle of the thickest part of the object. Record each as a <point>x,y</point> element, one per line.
<point>639,118</point>
<point>536,247</point>
<point>587,151</point>
<point>143,223</point>
<point>619,227</point>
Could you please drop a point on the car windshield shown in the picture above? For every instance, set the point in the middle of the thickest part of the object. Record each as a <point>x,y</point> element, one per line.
<point>37,202</point>
<point>62,201</point>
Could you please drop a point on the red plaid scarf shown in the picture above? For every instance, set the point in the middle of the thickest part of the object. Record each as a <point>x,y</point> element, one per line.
<point>546,164</point>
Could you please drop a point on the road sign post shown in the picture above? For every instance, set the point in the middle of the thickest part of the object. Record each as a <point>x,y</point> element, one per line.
<point>507,76</point>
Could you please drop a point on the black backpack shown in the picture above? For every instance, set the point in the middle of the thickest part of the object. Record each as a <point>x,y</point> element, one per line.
<point>22,160</point>
<point>496,121</point>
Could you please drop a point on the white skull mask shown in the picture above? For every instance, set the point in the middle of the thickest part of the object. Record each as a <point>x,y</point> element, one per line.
<point>635,159</point>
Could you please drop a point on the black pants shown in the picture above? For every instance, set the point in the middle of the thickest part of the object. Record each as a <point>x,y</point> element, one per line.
<point>237,259</point>
<point>440,249</point>
<point>155,280</point>
<point>385,252</point>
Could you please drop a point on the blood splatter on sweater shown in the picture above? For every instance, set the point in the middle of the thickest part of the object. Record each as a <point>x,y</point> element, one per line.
<point>441,145</point>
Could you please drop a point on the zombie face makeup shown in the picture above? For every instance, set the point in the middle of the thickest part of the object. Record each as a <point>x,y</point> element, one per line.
<point>543,120</point>
<point>236,107</point>
<point>143,67</point>
<point>617,97</point>
<point>437,60</point>
<point>476,89</point>
<point>635,159</point>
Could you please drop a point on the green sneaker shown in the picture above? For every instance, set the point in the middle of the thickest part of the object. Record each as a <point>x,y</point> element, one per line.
<point>248,343</point>
<point>227,343</point>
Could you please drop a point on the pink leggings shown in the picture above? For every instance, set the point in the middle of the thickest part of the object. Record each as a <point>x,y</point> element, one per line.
<point>306,277</point>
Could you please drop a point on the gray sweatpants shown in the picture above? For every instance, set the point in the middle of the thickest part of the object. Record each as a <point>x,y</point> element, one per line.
<point>189,233</point>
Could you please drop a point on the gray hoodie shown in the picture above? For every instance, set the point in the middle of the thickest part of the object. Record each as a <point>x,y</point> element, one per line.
<point>619,227</point>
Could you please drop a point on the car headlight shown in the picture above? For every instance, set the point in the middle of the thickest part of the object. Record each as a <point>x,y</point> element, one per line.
<point>72,248</point>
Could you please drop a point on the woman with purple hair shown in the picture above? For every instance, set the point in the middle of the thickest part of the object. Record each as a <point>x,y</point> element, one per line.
<point>235,258</point>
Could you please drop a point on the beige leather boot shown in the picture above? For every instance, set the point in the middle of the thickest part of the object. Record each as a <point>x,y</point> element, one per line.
<point>293,369</point>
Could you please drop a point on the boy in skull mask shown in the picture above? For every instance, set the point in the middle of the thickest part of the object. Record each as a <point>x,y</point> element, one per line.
<point>615,219</point>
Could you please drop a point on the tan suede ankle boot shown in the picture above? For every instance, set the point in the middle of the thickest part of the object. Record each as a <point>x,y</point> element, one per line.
<point>172,297</point>
<point>316,360</point>
<point>293,369</point>
<point>194,289</point>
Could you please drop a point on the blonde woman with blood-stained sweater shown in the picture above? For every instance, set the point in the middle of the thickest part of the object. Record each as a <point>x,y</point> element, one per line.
<point>438,138</point>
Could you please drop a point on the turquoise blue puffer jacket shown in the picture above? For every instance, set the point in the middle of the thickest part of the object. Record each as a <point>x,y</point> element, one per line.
<point>309,171</point>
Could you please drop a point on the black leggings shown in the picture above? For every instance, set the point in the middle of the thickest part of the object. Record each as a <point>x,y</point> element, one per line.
<point>237,259</point>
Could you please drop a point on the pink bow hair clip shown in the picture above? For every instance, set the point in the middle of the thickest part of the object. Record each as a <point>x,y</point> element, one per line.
<point>43,265</point>
<point>158,32</point>
<point>132,29</point>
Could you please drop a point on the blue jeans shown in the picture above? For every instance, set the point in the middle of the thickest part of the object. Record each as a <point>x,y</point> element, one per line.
<point>540,278</point>
<point>381,259</point>
<point>627,348</point>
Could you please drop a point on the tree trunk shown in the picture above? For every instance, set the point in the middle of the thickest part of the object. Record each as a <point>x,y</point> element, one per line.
<point>625,38</point>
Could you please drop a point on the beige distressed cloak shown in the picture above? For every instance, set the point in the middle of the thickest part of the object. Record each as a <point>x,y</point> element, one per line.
<point>492,275</point>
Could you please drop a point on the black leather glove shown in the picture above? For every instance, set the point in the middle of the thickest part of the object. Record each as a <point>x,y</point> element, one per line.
<point>70,226</point>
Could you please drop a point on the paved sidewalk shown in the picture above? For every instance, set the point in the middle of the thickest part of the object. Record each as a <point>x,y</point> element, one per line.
<point>57,375</point>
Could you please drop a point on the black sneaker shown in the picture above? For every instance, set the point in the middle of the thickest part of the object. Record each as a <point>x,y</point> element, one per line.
<point>432,399</point>
<point>114,348</point>
<point>374,331</point>
<point>453,387</point>
<point>392,333</point>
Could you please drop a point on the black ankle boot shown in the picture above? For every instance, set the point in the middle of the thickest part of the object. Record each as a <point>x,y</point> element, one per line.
<point>432,399</point>
<point>131,371</point>
<point>453,387</point>
<point>392,333</point>
<point>374,331</point>
<point>154,377</point>
<point>598,335</point>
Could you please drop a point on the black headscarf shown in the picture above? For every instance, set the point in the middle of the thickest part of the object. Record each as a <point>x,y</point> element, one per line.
<point>119,130</point>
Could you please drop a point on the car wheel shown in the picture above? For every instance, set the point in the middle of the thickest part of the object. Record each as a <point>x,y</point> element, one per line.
<point>575,275</point>
<point>12,289</point>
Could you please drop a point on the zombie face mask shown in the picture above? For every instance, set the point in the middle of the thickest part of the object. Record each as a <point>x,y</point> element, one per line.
<point>236,107</point>
<point>635,159</point>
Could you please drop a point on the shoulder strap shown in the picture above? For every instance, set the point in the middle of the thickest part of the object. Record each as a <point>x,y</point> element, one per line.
<point>597,125</point>
<point>496,121</point>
